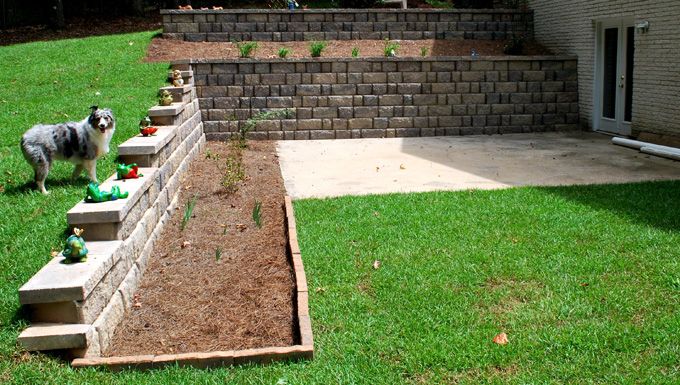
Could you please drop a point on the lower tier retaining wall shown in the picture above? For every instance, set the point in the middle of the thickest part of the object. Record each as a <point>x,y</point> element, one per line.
<point>387,97</point>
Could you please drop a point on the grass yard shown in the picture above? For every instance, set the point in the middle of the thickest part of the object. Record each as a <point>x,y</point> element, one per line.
<point>52,82</point>
<point>584,280</point>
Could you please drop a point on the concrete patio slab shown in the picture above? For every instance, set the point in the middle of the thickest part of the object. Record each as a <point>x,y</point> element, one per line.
<point>328,168</point>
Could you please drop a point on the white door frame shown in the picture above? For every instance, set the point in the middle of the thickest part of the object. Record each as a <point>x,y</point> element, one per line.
<point>617,125</point>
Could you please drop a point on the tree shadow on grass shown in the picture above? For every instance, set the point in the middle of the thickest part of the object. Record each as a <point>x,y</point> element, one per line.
<point>656,204</point>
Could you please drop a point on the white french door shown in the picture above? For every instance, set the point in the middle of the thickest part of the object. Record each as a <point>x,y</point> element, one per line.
<point>613,103</point>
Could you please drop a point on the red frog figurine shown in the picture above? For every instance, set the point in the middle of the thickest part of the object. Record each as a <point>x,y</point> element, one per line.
<point>130,171</point>
<point>145,127</point>
<point>148,131</point>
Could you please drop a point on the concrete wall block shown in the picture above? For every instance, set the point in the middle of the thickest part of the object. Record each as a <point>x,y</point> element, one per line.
<point>280,102</point>
<point>308,89</point>
<point>343,89</point>
<point>325,112</point>
<point>340,101</point>
<point>360,123</point>
<point>322,134</point>
<point>400,122</point>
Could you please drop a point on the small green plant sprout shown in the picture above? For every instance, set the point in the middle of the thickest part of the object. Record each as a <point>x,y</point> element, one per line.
<point>424,51</point>
<point>440,3</point>
<point>251,123</point>
<point>316,47</point>
<point>283,52</point>
<point>257,213</point>
<point>391,48</point>
<point>245,49</point>
<point>210,155</point>
<point>188,211</point>
<point>355,52</point>
<point>218,254</point>
<point>234,173</point>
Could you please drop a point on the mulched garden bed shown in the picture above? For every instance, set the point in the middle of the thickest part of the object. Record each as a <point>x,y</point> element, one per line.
<point>171,49</point>
<point>222,283</point>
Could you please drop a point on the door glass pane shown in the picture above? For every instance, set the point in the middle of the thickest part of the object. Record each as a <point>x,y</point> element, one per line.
<point>611,37</point>
<point>630,48</point>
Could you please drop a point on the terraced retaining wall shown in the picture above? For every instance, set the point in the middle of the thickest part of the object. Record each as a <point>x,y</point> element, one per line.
<point>345,24</point>
<point>76,307</point>
<point>388,97</point>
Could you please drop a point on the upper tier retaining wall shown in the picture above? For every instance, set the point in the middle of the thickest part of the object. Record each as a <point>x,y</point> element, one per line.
<point>344,24</point>
<point>337,98</point>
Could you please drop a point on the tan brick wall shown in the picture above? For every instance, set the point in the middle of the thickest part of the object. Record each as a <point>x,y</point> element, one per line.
<point>567,27</point>
<point>340,98</point>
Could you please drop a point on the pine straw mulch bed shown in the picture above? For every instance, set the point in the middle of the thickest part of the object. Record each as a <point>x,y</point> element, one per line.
<point>222,283</point>
<point>164,50</point>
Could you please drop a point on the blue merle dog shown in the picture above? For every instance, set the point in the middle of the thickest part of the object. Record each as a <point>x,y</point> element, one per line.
<point>81,143</point>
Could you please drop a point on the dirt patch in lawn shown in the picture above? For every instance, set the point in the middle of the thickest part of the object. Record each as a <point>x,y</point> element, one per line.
<point>222,283</point>
<point>170,49</point>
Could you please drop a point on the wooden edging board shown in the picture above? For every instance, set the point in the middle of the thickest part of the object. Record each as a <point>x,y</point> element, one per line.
<point>305,350</point>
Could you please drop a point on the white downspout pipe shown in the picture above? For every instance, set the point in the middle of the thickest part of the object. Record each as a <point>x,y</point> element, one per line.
<point>649,148</point>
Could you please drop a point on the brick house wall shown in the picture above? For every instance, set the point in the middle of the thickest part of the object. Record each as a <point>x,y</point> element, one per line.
<point>568,27</point>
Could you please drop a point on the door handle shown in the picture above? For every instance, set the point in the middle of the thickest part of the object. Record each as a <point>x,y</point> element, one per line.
<point>622,82</point>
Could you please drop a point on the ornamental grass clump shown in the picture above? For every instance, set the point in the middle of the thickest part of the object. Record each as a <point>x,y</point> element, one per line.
<point>245,49</point>
<point>391,48</point>
<point>188,212</point>
<point>283,52</point>
<point>316,47</point>
<point>257,213</point>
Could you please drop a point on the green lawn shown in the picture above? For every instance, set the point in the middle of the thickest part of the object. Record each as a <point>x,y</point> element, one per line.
<point>584,280</point>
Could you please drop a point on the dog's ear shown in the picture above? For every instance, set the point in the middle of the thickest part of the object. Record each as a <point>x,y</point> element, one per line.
<point>94,108</point>
<point>109,113</point>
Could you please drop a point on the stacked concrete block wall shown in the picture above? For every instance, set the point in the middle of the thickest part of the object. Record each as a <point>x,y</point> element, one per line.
<point>76,307</point>
<point>344,24</point>
<point>388,97</point>
<point>568,27</point>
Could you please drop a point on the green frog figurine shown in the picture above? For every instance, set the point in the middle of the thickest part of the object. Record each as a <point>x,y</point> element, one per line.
<point>165,98</point>
<point>95,195</point>
<point>74,249</point>
<point>128,171</point>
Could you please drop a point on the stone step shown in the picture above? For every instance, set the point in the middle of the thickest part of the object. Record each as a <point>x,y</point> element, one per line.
<point>111,220</point>
<point>46,336</point>
<point>141,150</point>
<point>180,94</point>
<point>166,115</point>
<point>59,282</point>
<point>171,110</point>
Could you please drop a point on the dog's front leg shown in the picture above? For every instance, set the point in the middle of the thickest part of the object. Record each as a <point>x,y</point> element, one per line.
<point>91,167</point>
<point>77,171</point>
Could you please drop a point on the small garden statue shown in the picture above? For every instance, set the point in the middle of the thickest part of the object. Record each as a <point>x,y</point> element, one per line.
<point>292,4</point>
<point>145,127</point>
<point>94,195</point>
<point>147,131</point>
<point>165,98</point>
<point>129,171</point>
<point>75,250</point>
<point>177,79</point>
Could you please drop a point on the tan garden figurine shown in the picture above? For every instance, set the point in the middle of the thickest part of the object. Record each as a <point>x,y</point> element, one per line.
<point>165,98</point>
<point>177,80</point>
